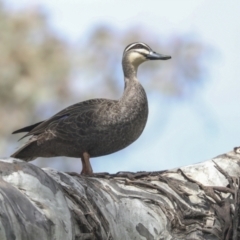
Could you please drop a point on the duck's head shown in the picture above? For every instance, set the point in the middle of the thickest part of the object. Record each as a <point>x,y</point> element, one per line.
<point>138,52</point>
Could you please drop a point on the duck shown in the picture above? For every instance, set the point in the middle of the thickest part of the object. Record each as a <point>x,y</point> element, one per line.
<point>94,127</point>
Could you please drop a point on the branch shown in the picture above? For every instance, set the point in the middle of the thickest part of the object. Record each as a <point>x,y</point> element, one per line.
<point>200,201</point>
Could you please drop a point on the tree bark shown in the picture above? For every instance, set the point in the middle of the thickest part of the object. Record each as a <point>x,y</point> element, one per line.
<point>200,201</point>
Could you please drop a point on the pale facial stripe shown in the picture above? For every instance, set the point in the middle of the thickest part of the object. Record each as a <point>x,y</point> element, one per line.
<point>142,51</point>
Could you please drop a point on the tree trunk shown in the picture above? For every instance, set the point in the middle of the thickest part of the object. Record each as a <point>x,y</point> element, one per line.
<point>200,201</point>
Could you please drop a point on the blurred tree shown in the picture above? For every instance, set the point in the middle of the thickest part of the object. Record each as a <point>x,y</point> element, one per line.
<point>41,73</point>
<point>35,67</point>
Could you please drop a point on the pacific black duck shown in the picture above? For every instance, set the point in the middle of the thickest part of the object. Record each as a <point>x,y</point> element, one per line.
<point>95,127</point>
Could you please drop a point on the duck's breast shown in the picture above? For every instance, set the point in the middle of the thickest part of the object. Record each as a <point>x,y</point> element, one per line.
<point>122,123</point>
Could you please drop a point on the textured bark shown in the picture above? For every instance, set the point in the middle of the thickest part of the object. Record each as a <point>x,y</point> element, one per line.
<point>200,201</point>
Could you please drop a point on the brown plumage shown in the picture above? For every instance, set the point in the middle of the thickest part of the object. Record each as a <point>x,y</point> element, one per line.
<point>95,127</point>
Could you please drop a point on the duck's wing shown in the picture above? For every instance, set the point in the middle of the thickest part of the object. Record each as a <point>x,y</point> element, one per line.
<point>79,111</point>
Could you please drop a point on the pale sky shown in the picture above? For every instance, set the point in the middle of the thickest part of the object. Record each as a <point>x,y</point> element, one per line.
<point>196,130</point>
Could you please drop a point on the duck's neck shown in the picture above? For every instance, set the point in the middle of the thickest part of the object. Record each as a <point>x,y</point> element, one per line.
<point>130,72</point>
<point>133,90</point>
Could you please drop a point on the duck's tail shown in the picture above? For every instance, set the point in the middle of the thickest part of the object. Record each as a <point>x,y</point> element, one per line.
<point>27,151</point>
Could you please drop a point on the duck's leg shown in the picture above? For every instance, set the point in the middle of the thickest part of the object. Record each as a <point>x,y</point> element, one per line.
<point>86,166</point>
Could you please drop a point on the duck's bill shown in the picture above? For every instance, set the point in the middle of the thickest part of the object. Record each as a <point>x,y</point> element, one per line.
<point>157,56</point>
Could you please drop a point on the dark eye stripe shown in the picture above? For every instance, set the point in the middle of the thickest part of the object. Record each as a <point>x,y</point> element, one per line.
<point>136,46</point>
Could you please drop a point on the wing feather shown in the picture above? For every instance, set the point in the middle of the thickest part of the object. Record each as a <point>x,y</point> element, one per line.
<point>77,116</point>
